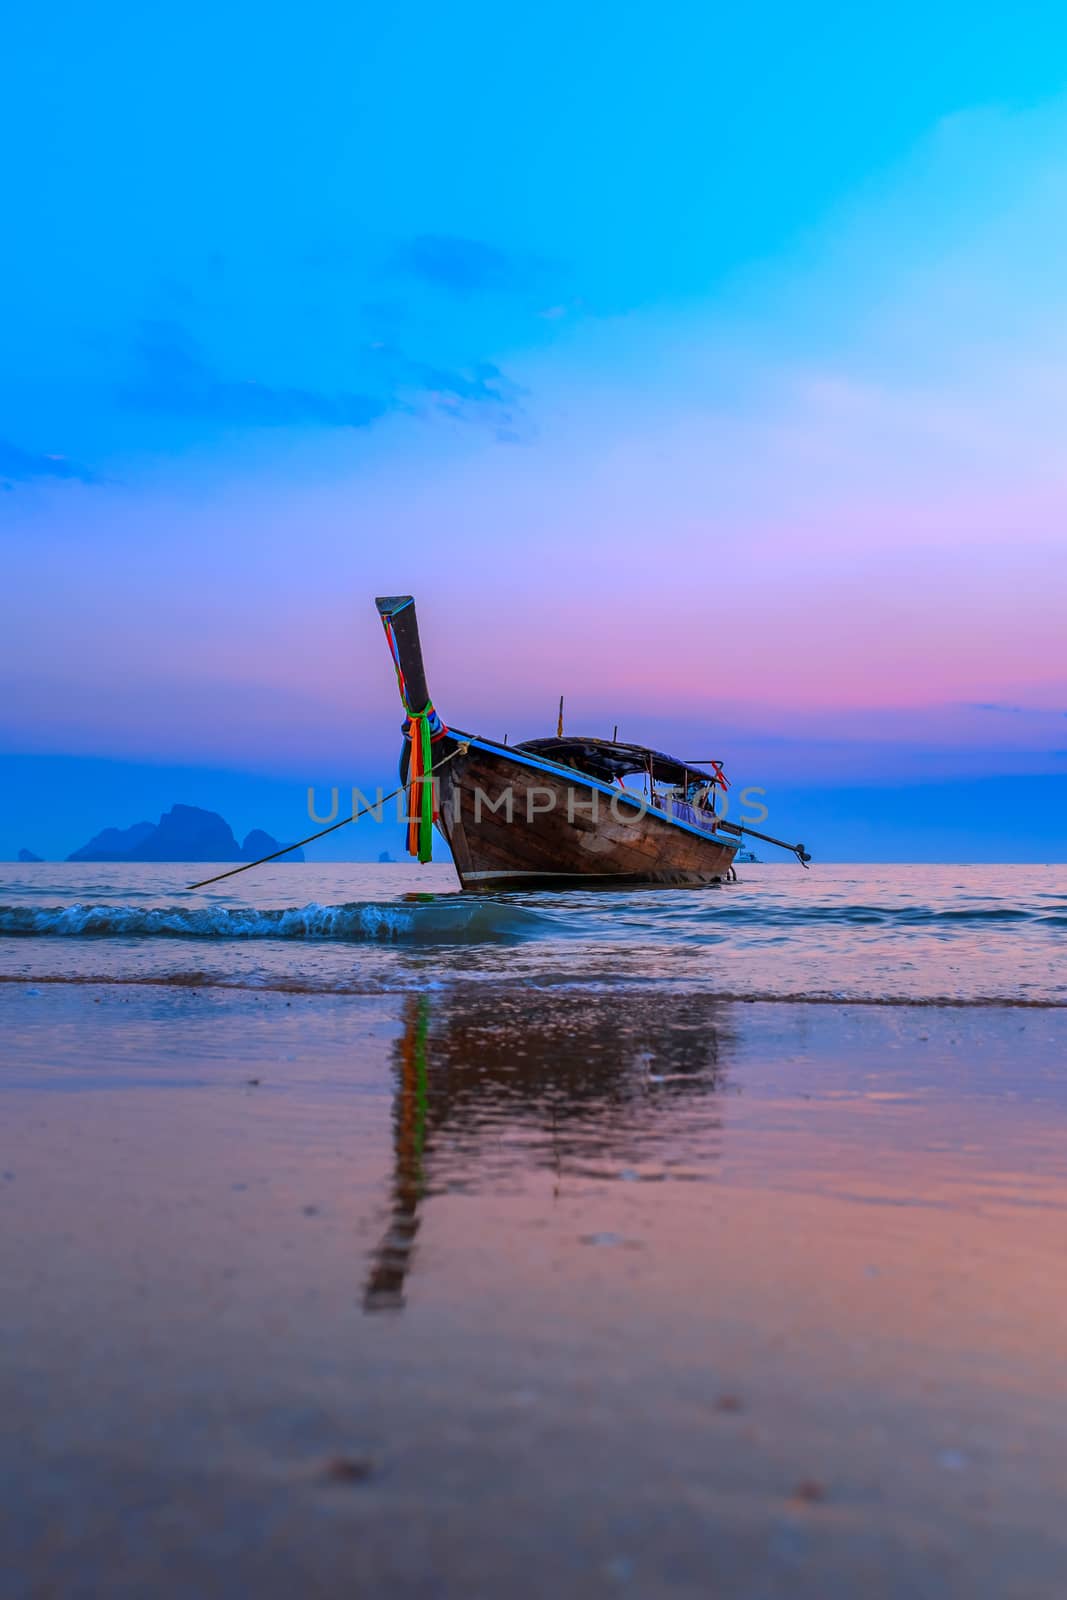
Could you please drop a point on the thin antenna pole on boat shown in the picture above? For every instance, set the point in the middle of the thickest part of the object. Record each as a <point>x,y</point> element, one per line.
<point>615,734</point>
<point>559,725</point>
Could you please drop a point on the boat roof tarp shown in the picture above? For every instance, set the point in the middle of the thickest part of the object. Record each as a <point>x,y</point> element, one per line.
<point>607,760</point>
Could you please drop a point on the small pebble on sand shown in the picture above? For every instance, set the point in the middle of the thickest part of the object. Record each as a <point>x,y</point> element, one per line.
<point>349,1469</point>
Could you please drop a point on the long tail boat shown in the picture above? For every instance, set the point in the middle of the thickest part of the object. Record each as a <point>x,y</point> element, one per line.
<point>554,812</point>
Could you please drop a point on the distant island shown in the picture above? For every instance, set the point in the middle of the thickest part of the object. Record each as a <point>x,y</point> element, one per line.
<point>184,833</point>
<point>28,855</point>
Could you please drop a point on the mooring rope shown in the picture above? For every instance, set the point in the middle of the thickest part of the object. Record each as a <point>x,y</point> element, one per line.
<point>425,779</point>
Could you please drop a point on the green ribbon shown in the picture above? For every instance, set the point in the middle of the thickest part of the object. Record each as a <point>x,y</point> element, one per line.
<point>420,731</point>
<point>426,799</point>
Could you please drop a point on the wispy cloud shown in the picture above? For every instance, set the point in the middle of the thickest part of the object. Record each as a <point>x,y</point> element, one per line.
<point>481,394</point>
<point>22,466</point>
<point>1010,710</point>
<point>172,376</point>
<point>463,266</point>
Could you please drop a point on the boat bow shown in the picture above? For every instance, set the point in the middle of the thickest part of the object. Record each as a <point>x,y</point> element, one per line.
<point>423,728</point>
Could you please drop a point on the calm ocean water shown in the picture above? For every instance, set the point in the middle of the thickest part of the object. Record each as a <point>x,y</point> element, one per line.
<point>883,933</point>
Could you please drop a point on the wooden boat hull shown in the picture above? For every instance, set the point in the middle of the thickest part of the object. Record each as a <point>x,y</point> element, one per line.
<point>513,821</point>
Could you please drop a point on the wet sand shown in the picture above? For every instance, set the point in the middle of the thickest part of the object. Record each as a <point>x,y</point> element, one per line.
<point>499,1292</point>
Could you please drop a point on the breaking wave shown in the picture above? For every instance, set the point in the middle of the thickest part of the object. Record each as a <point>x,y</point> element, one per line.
<point>455,921</point>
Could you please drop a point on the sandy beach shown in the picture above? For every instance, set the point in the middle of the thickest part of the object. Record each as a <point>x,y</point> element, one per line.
<point>495,1292</point>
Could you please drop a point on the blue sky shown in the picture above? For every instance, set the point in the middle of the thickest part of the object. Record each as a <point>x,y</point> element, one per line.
<point>704,364</point>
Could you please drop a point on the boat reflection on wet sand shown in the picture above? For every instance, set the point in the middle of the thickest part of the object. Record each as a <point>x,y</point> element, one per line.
<point>568,1084</point>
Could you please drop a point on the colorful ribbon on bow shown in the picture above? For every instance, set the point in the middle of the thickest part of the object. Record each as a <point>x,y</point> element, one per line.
<point>423,809</point>
<point>422,729</point>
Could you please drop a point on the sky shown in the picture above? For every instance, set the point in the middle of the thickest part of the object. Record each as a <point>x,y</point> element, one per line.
<point>704,364</point>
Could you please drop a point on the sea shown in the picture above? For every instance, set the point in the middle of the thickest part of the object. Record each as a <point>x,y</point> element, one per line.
<point>911,934</point>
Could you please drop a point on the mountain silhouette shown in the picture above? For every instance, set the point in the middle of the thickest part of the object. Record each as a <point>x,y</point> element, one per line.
<point>184,833</point>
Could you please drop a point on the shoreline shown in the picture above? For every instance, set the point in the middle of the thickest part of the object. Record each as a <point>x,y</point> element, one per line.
<point>629,986</point>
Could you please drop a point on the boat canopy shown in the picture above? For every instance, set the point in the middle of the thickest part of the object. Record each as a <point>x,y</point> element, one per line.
<point>608,760</point>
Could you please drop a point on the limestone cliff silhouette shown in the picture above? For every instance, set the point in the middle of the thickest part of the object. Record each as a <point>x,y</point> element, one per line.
<point>184,833</point>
